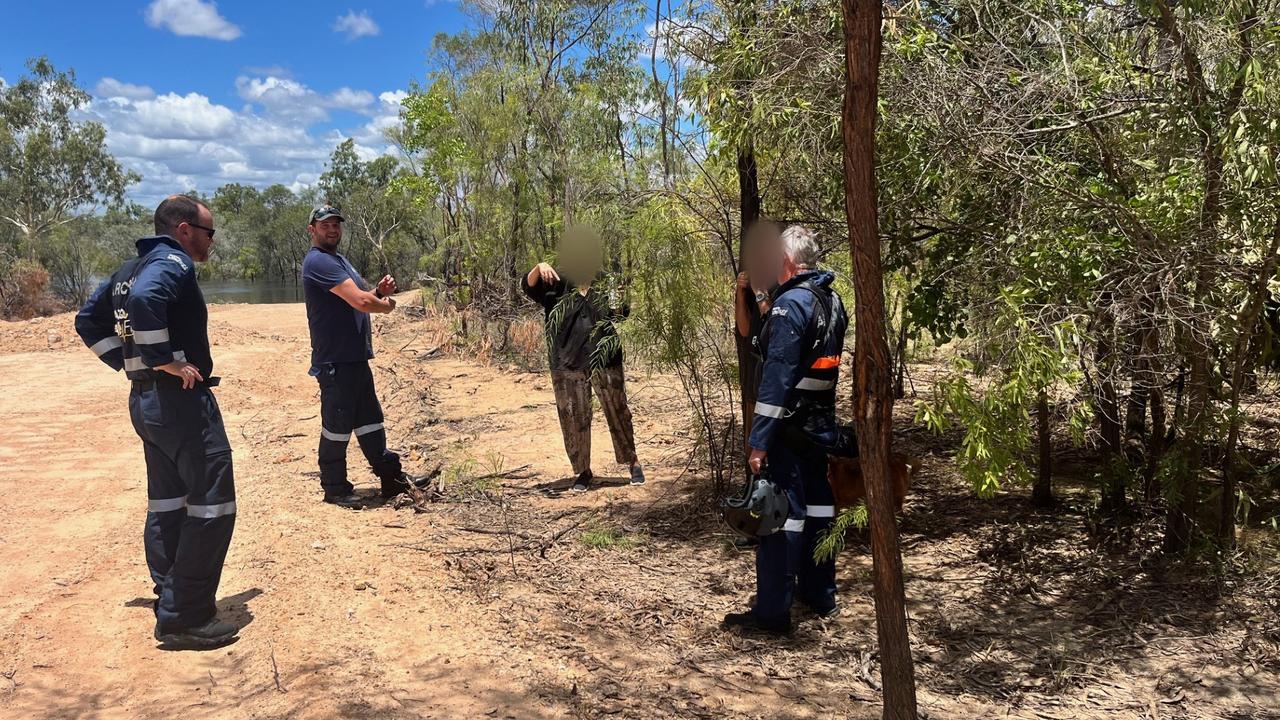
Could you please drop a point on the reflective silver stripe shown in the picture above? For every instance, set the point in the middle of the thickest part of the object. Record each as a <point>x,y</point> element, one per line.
<point>820,511</point>
<point>167,504</point>
<point>794,525</point>
<point>366,429</point>
<point>106,345</point>
<point>771,411</point>
<point>336,437</point>
<point>814,384</point>
<point>134,364</point>
<point>209,512</point>
<point>151,337</point>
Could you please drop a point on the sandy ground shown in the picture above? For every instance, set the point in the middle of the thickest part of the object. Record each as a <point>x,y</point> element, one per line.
<point>509,599</point>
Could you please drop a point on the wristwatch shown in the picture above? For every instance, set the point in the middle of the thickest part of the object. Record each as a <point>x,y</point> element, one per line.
<point>761,296</point>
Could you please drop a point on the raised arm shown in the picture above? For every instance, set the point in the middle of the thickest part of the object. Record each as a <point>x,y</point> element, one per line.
<point>541,273</point>
<point>363,300</point>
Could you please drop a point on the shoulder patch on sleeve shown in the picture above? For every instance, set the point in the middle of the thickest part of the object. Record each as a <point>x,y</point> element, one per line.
<point>779,311</point>
<point>178,259</point>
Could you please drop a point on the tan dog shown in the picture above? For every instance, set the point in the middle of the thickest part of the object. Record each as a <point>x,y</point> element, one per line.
<point>845,476</point>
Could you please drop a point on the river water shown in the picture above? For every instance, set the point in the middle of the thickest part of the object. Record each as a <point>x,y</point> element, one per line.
<point>243,291</point>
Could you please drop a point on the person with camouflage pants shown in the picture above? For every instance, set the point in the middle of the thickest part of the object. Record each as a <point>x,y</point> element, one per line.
<point>584,353</point>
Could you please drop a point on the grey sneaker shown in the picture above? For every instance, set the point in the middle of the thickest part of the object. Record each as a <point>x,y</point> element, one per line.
<point>583,482</point>
<point>637,474</point>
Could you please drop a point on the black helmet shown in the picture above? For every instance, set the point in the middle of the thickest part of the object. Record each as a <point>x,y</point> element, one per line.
<point>761,509</point>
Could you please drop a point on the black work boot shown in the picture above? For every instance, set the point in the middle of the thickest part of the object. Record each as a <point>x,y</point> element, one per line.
<point>750,622</point>
<point>212,634</point>
<point>397,485</point>
<point>349,501</point>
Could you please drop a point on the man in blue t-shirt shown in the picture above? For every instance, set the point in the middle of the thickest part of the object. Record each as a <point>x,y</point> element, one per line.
<point>338,306</point>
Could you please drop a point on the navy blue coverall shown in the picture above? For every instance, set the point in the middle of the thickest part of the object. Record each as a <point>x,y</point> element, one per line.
<point>151,312</point>
<point>801,342</point>
<point>341,347</point>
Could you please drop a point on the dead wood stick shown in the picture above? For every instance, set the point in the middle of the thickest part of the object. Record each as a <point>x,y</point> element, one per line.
<point>542,550</point>
<point>275,671</point>
<point>487,531</point>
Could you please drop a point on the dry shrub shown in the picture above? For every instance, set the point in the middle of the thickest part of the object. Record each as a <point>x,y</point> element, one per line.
<point>484,337</point>
<point>24,291</point>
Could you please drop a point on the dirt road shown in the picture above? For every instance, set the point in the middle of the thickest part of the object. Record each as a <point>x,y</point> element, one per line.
<point>74,614</point>
<point>507,599</point>
<point>380,613</point>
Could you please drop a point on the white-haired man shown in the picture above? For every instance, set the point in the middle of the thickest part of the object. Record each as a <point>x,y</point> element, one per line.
<point>801,343</point>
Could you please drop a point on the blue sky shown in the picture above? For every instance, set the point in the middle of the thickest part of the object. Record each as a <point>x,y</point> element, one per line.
<point>195,93</point>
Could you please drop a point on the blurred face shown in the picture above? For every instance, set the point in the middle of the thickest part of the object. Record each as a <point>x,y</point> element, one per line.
<point>197,238</point>
<point>326,233</point>
<point>764,259</point>
<point>580,255</point>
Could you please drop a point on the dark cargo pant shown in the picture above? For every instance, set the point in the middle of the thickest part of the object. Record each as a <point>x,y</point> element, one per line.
<point>349,406</point>
<point>191,498</point>
<point>573,405</point>
<point>785,566</point>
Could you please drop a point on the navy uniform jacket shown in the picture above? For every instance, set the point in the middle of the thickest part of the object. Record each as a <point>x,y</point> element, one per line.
<point>802,340</point>
<point>150,312</point>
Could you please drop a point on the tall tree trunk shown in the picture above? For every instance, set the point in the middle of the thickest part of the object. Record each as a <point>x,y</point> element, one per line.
<point>658,31</point>
<point>873,398</point>
<point>900,361</point>
<point>1042,491</point>
<point>748,361</point>
<point>744,18</point>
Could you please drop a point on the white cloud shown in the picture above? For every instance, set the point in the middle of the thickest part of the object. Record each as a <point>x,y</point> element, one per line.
<point>283,98</point>
<point>181,142</point>
<point>349,99</point>
<point>393,98</point>
<point>189,116</point>
<point>112,88</point>
<point>356,25</point>
<point>191,18</point>
<point>289,99</point>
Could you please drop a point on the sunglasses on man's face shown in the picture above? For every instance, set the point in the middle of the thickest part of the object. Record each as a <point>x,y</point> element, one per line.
<point>206,229</point>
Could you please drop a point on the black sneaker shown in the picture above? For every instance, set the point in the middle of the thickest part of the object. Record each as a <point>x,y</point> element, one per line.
<point>395,486</point>
<point>212,634</point>
<point>637,474</point>
<point>583,483</point>
<point>750,622</point>
<point>746,543</point>
<point>348,501</point>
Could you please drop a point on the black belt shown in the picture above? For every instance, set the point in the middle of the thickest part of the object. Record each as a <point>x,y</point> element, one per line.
<point>170,381</point>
